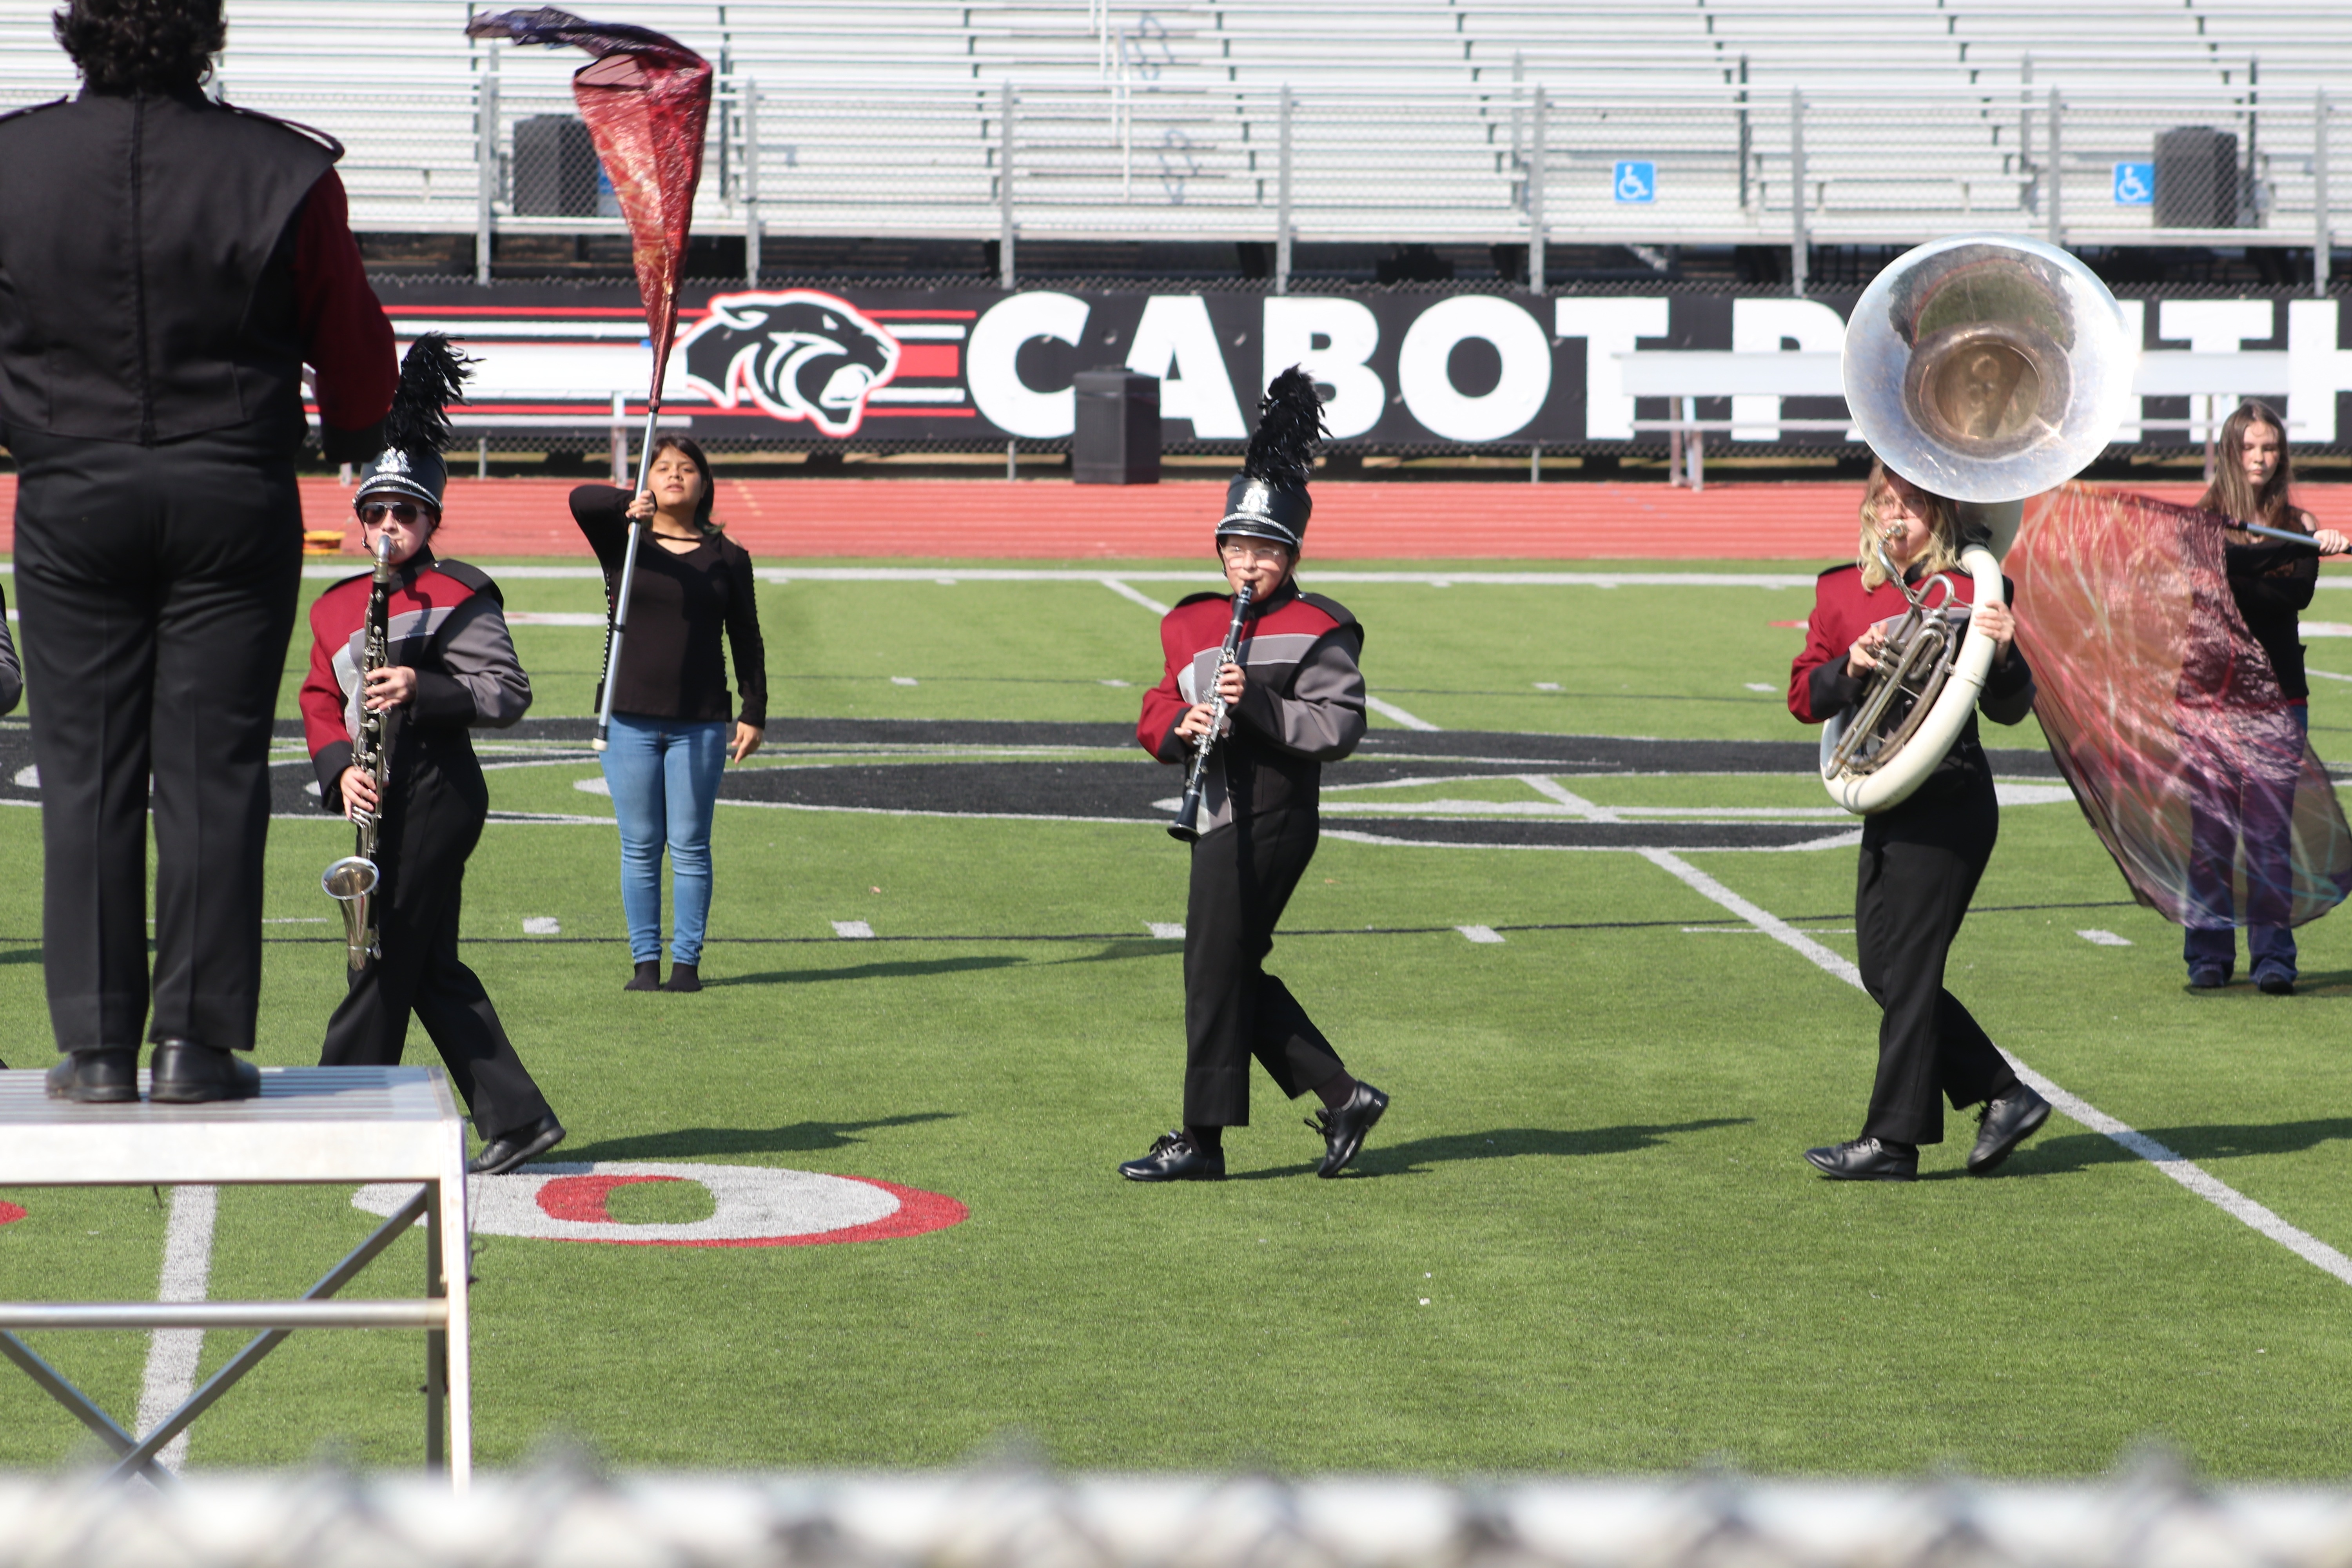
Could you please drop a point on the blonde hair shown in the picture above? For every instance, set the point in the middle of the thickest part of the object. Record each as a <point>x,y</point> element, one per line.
<point>1943,552</point>
<point>2230,493</point>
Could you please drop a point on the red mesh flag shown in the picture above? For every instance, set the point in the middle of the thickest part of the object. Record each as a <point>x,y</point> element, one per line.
<point>645,98</point>
<point>2165,718</point>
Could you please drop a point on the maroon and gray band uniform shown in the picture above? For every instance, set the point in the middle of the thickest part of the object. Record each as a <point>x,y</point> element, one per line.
<point>447,621</point>
<point>1303,706</point>
<point>1921,862</point>
<point>168,265</point>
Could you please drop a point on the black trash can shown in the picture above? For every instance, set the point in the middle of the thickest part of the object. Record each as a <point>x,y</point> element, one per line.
<point>1117,441</point>
<point>2196,178</point>
<point>555,167</point>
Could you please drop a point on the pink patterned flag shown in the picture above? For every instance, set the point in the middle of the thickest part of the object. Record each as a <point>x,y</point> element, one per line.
<point>2165,718</point>
<point>646,99</point>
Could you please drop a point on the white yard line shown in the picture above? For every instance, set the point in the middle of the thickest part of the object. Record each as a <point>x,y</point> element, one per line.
<point>173,1354</point>
<point>2188,1172</point>
<point>1124,592</point>
<point>1560,794</point>
<point>1396,715</point>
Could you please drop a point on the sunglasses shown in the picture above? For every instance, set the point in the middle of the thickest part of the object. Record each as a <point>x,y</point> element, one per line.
<point>376,513</point>
<point>1273,552</point>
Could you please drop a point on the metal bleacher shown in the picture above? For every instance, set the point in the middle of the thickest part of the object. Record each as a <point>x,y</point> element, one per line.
<point>1408,120</point>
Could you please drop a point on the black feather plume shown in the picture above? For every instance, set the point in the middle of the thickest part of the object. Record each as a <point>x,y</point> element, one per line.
<point>1289,422</point>
<point>432,377</point>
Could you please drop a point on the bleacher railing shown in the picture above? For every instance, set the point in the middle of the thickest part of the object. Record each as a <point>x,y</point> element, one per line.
<point>1511,163</point>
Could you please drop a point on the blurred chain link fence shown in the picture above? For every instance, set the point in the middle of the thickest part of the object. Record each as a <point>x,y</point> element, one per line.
<point>1497,162</point>
<point>1021,1521</point>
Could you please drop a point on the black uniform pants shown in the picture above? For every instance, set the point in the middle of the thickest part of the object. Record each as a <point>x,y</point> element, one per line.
<point>157,588</point>
<point>421,853</point>
<point>1243,875</point>
<point>1920,865</point>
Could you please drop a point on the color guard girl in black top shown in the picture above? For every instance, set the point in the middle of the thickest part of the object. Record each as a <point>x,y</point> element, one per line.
<point>671,735</point>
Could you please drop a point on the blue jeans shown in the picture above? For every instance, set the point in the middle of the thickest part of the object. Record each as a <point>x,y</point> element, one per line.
<point>2268,947</point>
<point>664,776</point>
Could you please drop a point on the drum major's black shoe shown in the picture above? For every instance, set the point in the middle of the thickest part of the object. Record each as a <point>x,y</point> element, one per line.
<point>185,1072</point>
<point>1343,1128</point>
<point>1175,1158</point>
<point>2003,1124</point>
<point>507,1150</point>
<point>1863,1160</point>
<point>96,1078</point>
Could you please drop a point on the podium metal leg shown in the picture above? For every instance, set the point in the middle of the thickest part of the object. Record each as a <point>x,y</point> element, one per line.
<point>436,1342</point>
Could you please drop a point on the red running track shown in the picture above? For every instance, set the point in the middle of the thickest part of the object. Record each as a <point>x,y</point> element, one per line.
<point>1047,520</point>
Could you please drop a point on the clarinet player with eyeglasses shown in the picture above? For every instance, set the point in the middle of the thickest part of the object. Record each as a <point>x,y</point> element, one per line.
<point>447,668</point>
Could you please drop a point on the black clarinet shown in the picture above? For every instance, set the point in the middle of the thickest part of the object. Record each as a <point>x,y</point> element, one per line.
<point>1187,825</point>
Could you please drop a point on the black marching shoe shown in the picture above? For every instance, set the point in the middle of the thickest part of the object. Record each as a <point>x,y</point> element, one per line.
<point>1175,1158</point>
<point>1863,1160</point>
<point>684,977</point>
<point>646,978</point>
<point>184,1072</point>
<point>1343,1130</point>
<point>507,1150</point>
<point>96,1078</point>
<point>2003,1124</point>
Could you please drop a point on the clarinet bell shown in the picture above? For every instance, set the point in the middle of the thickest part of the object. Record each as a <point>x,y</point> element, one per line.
<point>1187,825</point>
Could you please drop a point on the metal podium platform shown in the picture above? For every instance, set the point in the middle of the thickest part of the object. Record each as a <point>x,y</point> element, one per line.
<point>310,1125</point>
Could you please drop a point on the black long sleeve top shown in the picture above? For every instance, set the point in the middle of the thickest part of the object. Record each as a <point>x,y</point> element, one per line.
<point>680,604</point>
<point>2272,582</point>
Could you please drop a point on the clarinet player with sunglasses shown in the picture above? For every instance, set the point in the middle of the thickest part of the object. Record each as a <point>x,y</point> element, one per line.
<point>450,669</point>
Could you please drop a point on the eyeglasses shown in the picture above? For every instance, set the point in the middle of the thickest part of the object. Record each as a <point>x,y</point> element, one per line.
<point>1238,551</point>
<point>376,512</point>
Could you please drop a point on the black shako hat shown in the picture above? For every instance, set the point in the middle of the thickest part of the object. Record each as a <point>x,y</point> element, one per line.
<point>431,376</point>
<point>1268,499</point>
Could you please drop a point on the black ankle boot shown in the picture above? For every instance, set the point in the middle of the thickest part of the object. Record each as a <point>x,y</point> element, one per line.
<point>684,977</point>
<point>646,978</point>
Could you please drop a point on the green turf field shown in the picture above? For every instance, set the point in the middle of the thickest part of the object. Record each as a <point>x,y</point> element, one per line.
<point>1583,1238</point>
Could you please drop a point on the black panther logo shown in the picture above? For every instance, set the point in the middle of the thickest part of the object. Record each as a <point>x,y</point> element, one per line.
<point>798,355</point>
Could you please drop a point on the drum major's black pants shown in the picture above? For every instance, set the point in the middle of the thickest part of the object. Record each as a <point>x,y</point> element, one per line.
<point>157,588</point>
<point>421,854</point>
<point>1920,865</point>
<point>1242,875</point>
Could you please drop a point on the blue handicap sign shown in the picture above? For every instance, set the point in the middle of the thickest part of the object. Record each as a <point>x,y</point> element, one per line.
<point>1637,182</point>
<point>2135,185</point>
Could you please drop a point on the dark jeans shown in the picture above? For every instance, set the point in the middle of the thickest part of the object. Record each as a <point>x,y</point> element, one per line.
<point>2267,811</point>
<point>1920,865</point>
<point>1243,875</point>
<point>157,588</point>
<point>421,853</point>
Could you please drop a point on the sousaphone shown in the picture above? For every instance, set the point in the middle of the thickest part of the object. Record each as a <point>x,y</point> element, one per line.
<point>1988,368</point>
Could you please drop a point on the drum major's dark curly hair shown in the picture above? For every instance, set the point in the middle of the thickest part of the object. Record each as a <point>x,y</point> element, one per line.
<point>141,46</point>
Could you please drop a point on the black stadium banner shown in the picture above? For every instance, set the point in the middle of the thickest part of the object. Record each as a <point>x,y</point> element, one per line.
<point>970,365</point>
